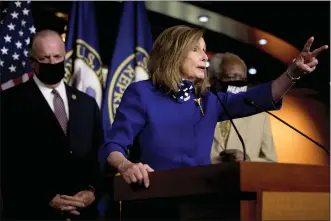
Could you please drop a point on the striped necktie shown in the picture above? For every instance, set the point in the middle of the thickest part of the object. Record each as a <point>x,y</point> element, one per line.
<point>59,110</point>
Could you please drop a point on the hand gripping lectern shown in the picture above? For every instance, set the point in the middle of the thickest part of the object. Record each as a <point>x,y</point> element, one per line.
<point>230,191</point>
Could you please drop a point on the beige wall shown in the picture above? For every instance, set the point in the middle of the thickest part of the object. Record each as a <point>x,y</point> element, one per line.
<point>310,117</point>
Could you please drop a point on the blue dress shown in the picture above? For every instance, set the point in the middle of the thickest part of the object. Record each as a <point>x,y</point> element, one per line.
<point>170,134</point>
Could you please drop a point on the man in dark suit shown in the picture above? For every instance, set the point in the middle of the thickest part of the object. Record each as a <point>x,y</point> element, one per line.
<point>50,136</point>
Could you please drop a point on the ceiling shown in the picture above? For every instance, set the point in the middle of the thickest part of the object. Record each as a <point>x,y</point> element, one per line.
<point>294,22</point>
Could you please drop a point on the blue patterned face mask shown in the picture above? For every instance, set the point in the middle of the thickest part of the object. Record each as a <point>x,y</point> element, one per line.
<point>183,94</point>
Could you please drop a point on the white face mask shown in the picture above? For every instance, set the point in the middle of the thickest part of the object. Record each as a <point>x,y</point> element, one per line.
<point>236,90</point>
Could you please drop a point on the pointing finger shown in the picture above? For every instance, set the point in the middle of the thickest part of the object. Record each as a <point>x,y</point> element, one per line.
<point>308,44</point>
<point>316,52</point>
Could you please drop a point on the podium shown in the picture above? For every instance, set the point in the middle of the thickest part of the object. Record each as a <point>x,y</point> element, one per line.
<point>229,191</point>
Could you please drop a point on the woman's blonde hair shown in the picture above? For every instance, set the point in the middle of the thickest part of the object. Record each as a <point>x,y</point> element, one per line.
<point>168,52</point>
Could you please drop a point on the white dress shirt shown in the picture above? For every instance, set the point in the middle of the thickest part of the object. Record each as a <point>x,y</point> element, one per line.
<point>47,92</point>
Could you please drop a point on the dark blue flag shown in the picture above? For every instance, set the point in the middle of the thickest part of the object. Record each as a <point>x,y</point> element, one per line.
<point>16,31</point>
<point>129,61</point>
<point>83,62</point>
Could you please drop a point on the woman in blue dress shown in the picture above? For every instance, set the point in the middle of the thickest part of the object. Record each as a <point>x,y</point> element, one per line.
<point>170,118</point>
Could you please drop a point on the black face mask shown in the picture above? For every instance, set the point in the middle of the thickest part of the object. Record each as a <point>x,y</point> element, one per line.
<point>223,85</point>
<point>51,73</point>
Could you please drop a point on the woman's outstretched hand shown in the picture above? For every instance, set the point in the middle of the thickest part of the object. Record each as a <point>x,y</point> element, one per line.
<point>306,61</point>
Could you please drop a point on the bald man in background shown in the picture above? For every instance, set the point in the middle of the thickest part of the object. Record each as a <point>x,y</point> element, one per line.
<point>255,130</point>
<point>50,136</point>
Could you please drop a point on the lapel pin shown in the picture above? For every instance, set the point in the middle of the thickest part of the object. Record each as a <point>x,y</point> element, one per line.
<point>73,97</point>
<point>198,100</point>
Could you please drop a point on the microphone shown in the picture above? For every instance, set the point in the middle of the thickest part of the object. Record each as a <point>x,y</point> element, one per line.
<point>252,103</point>
<point>214,90</point>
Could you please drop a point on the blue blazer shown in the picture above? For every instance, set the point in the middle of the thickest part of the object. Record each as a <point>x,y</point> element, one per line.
<point>169,134</point>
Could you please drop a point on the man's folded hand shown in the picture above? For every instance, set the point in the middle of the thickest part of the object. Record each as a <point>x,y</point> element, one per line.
<point>67,204</point>
<point>232,156</point>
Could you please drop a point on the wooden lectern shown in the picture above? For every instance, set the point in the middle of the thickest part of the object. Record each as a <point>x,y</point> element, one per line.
<point>230,191</point>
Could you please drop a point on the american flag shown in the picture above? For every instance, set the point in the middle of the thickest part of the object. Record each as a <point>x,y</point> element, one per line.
<point>16,30</point>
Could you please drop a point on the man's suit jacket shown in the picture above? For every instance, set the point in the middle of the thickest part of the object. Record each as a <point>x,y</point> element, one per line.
<point>38,160</point>
<point>256,133</point>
